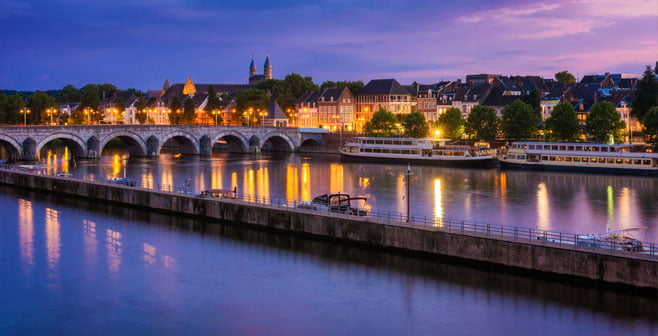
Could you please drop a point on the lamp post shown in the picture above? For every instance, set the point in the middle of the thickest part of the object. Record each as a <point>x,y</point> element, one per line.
<point>216,113</point>
<point>88,111</point>
<point>50,112</point>
<point>25,111</point>
<point>262,118</point>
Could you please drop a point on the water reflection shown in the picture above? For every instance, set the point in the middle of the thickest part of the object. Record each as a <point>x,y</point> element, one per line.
<point>543,208</point>
<point>53,242</point>
<point>26,233</point>
<point>90,241</point>
<point>438,203</point>
<point>114,250</point>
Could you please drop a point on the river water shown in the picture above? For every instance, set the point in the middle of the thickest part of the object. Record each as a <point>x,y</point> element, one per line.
<point>70,267</point>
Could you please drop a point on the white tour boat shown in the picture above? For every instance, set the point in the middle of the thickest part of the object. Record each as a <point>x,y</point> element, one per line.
<point>579,156</point>
<point>412,150</point>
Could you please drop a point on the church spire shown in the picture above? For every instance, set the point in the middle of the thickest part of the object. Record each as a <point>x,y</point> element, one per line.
<point>267,71</point>
<point>252,68</point>
<point>165,87</point>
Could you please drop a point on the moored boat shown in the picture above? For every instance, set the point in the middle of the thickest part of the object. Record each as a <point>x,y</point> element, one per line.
<point>600,157</point>
<point>412,150</point>
<point>336,203</point>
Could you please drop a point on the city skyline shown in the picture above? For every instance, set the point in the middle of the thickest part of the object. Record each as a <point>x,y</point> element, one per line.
<point>139,44</point>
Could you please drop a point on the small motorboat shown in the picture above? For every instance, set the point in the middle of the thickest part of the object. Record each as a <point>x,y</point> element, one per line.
<point>336,203</point>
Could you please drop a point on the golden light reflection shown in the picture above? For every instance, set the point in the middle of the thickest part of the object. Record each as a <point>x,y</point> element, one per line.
<point>167,178</point>
<point>503,195</point>
<point>53,242</point>
<point>543,207</point>
<point>624,211</point>
<point>401,192</point>
<point>611,207</point>
<point>306,182</point>
<point>66,159</point>
<point>149,253</point>
<point>168,261</point>
<point>147,179</point>
<point>263,183</point>
<point>292,182</point>
<point>26,233</point>
<point>216,178</point>
<point>438,203</point>
<point>114,250</point>
<point>90,241</point>
<point>336,178</point>
<point>364,182</point>
<point>117,165</point>
<point>234,180</point>
<point>202,181</point>
<point>249,182</point>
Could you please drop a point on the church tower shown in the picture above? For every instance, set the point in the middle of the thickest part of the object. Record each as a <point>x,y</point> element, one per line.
<point>165,87</point>
<point>267,69</point>
<point>189,88</point>
<point>252,68</point>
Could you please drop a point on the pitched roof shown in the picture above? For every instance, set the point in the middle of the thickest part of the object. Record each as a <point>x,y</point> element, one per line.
<point>329,95</point>
<point>496,98</point>
<point>383,87</point>
<point>274,111</point>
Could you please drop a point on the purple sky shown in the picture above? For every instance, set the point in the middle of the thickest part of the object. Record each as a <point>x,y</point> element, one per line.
<point>48,44</point>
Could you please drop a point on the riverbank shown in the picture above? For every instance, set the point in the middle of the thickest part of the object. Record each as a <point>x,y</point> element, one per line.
<point>513,252</point>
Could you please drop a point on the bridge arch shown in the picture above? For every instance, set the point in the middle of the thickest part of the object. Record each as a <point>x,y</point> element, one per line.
<point>235,141</point>
<point>77,146</point>
<point>311,141</point>
<point>277,142</point>
<point>187,142</point>
<point>136,145</point>
<point>12,147</point>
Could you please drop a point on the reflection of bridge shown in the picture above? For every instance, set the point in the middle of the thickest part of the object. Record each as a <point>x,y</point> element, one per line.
<point>147,140</point>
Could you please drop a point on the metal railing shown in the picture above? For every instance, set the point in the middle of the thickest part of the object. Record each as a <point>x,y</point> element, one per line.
<point>642,250</point>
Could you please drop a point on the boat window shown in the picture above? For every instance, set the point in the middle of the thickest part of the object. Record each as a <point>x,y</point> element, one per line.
<point>559,158</point>
<point>448,153</point>
<point>368,150</point>
<point>567,159</point>
<point>646,162</point>
<point>376,150</point>
<point>576,159</point>
<point>610,160</point>
<point>628,161</point>
<point>370,141</point>
<point>637,161</point>
<point>459,153</point>
<point>415,152</point>
<point>587,148</point>
<point>547,146</point>
<point>570,148</point>
<point>515,146</point>
<point>595,149</point>
<point>404,151</point>
<point>601,160</point>
<point>406,143</point>
<point>396,142</point>
<point>387,142</point>
<point>579,148</point>
<point>551,158</point>
<point>563,147</point>
<point>395,151</point>
<point>585,159</point>
<point>521,157</point>
<point>554,147</point>
<point>379,142</point>
<point>604,149</point>
<point>512,157</point>
<point>620,161</point>
<point>361,150</point>
<point>544,158</point>
<point>532,146</point>
<point>386,150</point>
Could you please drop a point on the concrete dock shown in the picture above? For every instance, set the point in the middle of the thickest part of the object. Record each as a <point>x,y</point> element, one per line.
<point>512,252</point>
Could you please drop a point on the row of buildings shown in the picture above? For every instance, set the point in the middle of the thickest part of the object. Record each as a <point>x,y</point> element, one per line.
<point>339,109</point>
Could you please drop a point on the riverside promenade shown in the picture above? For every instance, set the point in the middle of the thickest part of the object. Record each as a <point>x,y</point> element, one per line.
<point>512,248</point>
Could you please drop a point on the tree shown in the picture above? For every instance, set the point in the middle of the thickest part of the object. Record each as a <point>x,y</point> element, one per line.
<point>519,121</point>
<point>534,100</point>
<point>10,109</point>
<point>287,91</point>
<point>90,98</point>
<point>382,124</point>
<point>602,121</point>
<point>354,86</point>
<point>647,94</point>
<point>650,123</point>
<point>565,77</point>
<point>563,122</point>
<point>451,124</point>
<point>214,105</point>
<point>141,114</point>
<point>415,125</point>
<point>43,108</point>
<point>188,111</point>
<point>483,123</point>
<point>69,94</point>
<point>249,101</point>
<point>175,109</point>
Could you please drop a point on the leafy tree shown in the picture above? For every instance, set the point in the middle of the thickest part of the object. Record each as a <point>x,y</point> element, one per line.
<point>534,100</point>
<point>565,77</point>
<point>214,104</point>
<point>69,94</point>
<point>249,101</point>
<point>141,114</point>
<point>415,125</point>
<point>451,124</point>
<point>291,88</point>
<point>135,92</point>
<point>647,94</point>
<point>77,117</point>
<point>188,111</point>
<point>268,85</point>
<point>382,124</point>
<point>10,109</point>
<point>483,123</point>
<point>354,86</point>
<point>603,120</point>
<point>40,104</point>
<point>650,123</point>
<point>175,110</point>
<point>90,98</point>
<point>519,121</point>
<point>563,122</point>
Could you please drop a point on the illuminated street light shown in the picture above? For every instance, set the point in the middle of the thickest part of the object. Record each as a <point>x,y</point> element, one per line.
<point>262,117</point>
<point>25,111</point>
<point>50,112</point>
<point>216,113</point>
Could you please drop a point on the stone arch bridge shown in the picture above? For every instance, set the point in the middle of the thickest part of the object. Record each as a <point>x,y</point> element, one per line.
<point>88,141</point>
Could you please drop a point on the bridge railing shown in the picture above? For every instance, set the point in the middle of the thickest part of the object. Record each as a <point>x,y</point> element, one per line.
<point>587,242</point>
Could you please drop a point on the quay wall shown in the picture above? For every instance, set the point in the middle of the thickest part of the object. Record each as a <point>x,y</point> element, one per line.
<point>527,255</point>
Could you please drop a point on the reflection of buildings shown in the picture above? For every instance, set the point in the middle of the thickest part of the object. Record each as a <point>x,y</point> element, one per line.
<point>26,233</point>
<point>90,241</point>
<point>114,250</point>
<point>52,239</point>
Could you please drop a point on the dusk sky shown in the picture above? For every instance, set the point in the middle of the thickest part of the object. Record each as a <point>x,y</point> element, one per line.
<point>137,44</point>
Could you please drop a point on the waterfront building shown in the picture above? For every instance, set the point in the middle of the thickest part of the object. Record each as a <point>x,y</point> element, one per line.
<point>306,109</point>
<point>336,109</point>
<point>382,93</point>
<point>275,116</point>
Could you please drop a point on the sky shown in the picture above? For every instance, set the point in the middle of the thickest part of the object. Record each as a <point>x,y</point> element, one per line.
<point>138,44</point>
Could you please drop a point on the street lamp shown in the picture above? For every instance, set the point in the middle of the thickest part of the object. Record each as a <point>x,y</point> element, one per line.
<point>262,117</point>
<point>25,111</point>
<point>88,111</point>
<point>216,112</point>
<point>50,112</point>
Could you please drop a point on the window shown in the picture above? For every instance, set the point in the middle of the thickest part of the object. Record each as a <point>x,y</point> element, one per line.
<point>601,160</point>
<point>377,150</point>
<point>604,149</point>
<point>576,159</point>
<point>628,161</point>
<point>404,151</point>
<point>620,161</point>
<point>386,151</point>
<point>567,159</point>
<point>563,147</point>
<point>415,152</point>
<point>551,158</point>
<point>554,147</point>
<point>397,142</point>
<point>544,158</point>
<point>406,143</point>
<point>637,161</point>
<point>515,146</point>
<point>532,146</point>
<point>587,148</point>
<point>595,149</point>
<point>379,142</point>
<point>579,148</point>
<point>395,151</point>
<point>610,160</point>
<point>646,162</point>
<point>368,150</point>
<point>547,147</point>
<point>585,159</point>
<point>570,148</point>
